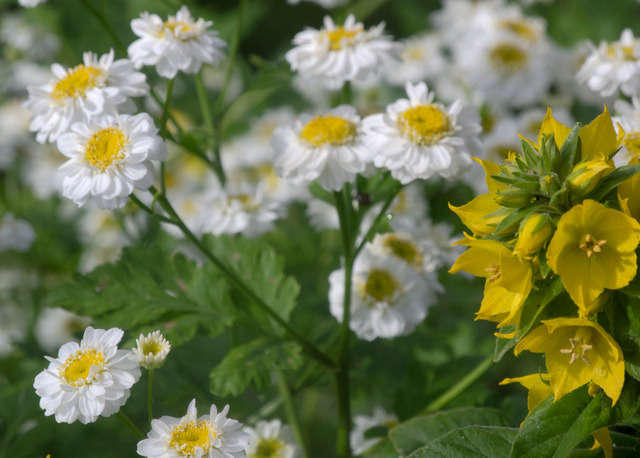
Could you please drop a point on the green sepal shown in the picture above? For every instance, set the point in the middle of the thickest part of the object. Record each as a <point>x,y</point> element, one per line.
<point>619,175</point>
<point>532,157</point>
<point>514,198</point>
<point>514,218</point>
<point>545,154</point>
<point>570,152</point>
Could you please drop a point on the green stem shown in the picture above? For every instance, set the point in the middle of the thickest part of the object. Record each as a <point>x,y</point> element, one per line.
<point>150,395</point>
<point>130,425</point>
<point>103,20</point>
<point>163,128</point>
<point>459,387</point>
<point>347,93</point>
<point>236,282</point>
<point>210,125</point>
<point>289,407</point>
<point>148,210</point>
<point>376,223</point>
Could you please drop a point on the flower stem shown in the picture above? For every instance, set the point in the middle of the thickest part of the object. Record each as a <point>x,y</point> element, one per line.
<point>289,407</point>
<point>163,128</point>
<point>130,425</point>
<point>150,395</point>
<point>459,387</point>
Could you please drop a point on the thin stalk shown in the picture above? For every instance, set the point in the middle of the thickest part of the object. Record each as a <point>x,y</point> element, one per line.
<point>210,124</point>
<point>290,409</point>
<point>347,93</point>
<point>459,387</point>
<point>103,20</point>
<point>376,222</point>
<point>150,395</point>
<point>236,282</point>
<point>163,129</point>
<point>148,210</point>
<point>130,425</point>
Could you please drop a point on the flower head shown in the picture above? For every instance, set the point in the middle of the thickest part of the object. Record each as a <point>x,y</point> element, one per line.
<point>419,138</point>
<point>98,87</point>
<point>577,351</point>
<point>89,379</point>
<point>271,439</point>
<point>177,44</point>
<point>592,249</point>
<point>152,350</point>
<point>210,436</point>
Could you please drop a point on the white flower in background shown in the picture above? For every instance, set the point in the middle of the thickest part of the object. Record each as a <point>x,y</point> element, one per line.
<point>327,147</point>
<point>88,380</point>
<point>15,234</point>
<point>27,39</point>
<point>110,158</point>
<point>327,4</point>
<point>271,439</point>
<point>30,3</point>
<point>417,138</point>
<point>152,350</point>
<point>388,297</point>
<point>14,132</point>
<point>360,443</point>
<point>13,325</point>
<point>210,436</point>
<point>82,93</point>
<point>403,246</point>
<point>242,210</point>
<point>56,326</point>
<point>177,44</point>
<point>628,118</point>
<point>322,215</point>
<point>613,66</point>
<point>22,75</point>
<point>421,59</point>
<point>336,54</point>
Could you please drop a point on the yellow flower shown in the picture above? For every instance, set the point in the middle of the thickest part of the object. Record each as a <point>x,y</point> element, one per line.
<point>593,249</point>
<point>586,175</point>
<point>629,193</point>
<point>538,386</point>
<point>602,438</point>
<point>534,232</point>
<point>508,278</point>
<point>577,351</point>
<point>474,214</point>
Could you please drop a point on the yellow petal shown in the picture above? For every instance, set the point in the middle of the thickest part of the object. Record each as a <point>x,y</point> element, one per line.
<point>474,214</point>
<point>491,168</point>
<point>602,438</point>
<point>599,137</point>
<point>538,386</point>
<point>551,126</point>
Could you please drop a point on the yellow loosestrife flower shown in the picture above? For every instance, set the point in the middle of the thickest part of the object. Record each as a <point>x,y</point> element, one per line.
<point>508,278</point>
<point>534,232</point>
<point>629,193</point>
<point>538,386</point>
<point>577,351</point>
<point>593,248</point>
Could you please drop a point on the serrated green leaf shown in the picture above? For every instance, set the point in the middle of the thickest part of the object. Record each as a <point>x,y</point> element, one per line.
<point>470,442</point>
<point>415,433</point>
<point>553,429</point>
<point>252,363</point>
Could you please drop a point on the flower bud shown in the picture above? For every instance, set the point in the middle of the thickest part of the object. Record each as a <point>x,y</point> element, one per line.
<point>514,198</point>
<point>152,350</point>
<point>586,175</point>
<point>534,232</point>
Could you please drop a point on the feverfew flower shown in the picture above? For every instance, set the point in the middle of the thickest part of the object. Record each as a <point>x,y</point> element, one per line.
<point>177,44</point>
<point>417,138</point>
<point>388,297</point>
<point>56,326</point>
<point>210,436</point>
<point>88,380</point>
<point>360,441</point>
<point>152,350</point>
<point>82,93</point>
<point>421,59</point>
<point>327,147</point>
<point>271,439</point>
<point>629,121</point>
<point>336,54</point>
<point>110,158</point>
<point>15,234</point>
<point>30,3</point>
<point>613,66</point>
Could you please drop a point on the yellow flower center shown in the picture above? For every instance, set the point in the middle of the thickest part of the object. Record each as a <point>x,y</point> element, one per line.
<point>592,245</point>
<point>494,272</point>
<point>404,249</point>
<point>632,143</point>
<point>381,286</point>
<point>328,130</point>
<point>151,347</point>
<point>77,368</point>
<point>106,147</point>
<point>508,58</point>
<point>424,124</point>
<point>269,448</point>
<point>188,437</point>
<point>248,202</point>
<point>340,38</point>
<point>580,344</point>
<point>520,28</point>
<point>180,30</point>
<point>413,52</point>
<point>626,52</point>
<point>77,82</point>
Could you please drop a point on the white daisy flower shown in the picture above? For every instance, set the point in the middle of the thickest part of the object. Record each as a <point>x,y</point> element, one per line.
<point>177,44</point>
<point>271,439</point>
<point>628,119</point>
<point>80,94</point>
<point>327,4</point>
<point>110,158</point>
<point>417,138</point>
<point>336,54</point>
<point>30,3</point>
<point>15,234</point>
<point>326,147</point>
<point>388,297</point>
<point>210,436</point>
<point>421,59</point>
<point>405,247</point>
<point>56,326</point>
<point>360,441</point>
<point>88,380</point>
<point>152,350</point>
<point>613,66</point>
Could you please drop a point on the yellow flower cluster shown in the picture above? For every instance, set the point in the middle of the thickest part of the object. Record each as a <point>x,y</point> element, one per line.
<point>559,213</point>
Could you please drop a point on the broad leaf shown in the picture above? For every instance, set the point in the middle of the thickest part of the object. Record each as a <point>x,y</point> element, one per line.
<point>470,442</point>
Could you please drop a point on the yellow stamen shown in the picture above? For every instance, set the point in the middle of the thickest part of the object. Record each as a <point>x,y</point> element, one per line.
<point>106,147</point>
<point>508,58</point>
<point>424,124</point>
<point>381,286</point>
<point>328,130</point>
<point>493,269</point>
<point>77,367</point>
<point>77,82</point>
<point>189,436</point>
<point>340,38</point>
<point>591,245</point>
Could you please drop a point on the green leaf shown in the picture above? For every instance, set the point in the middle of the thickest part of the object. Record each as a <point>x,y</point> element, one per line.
<point>503,346</point>
<point>569,152</point>
<point>534,306</point>
<point>514,218</point>
<point>470,442</point>
<point>624,319</point>
<point>553,429</point>
<point>252,363</point>
<point>412,434</point>
<point>612,180</point>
